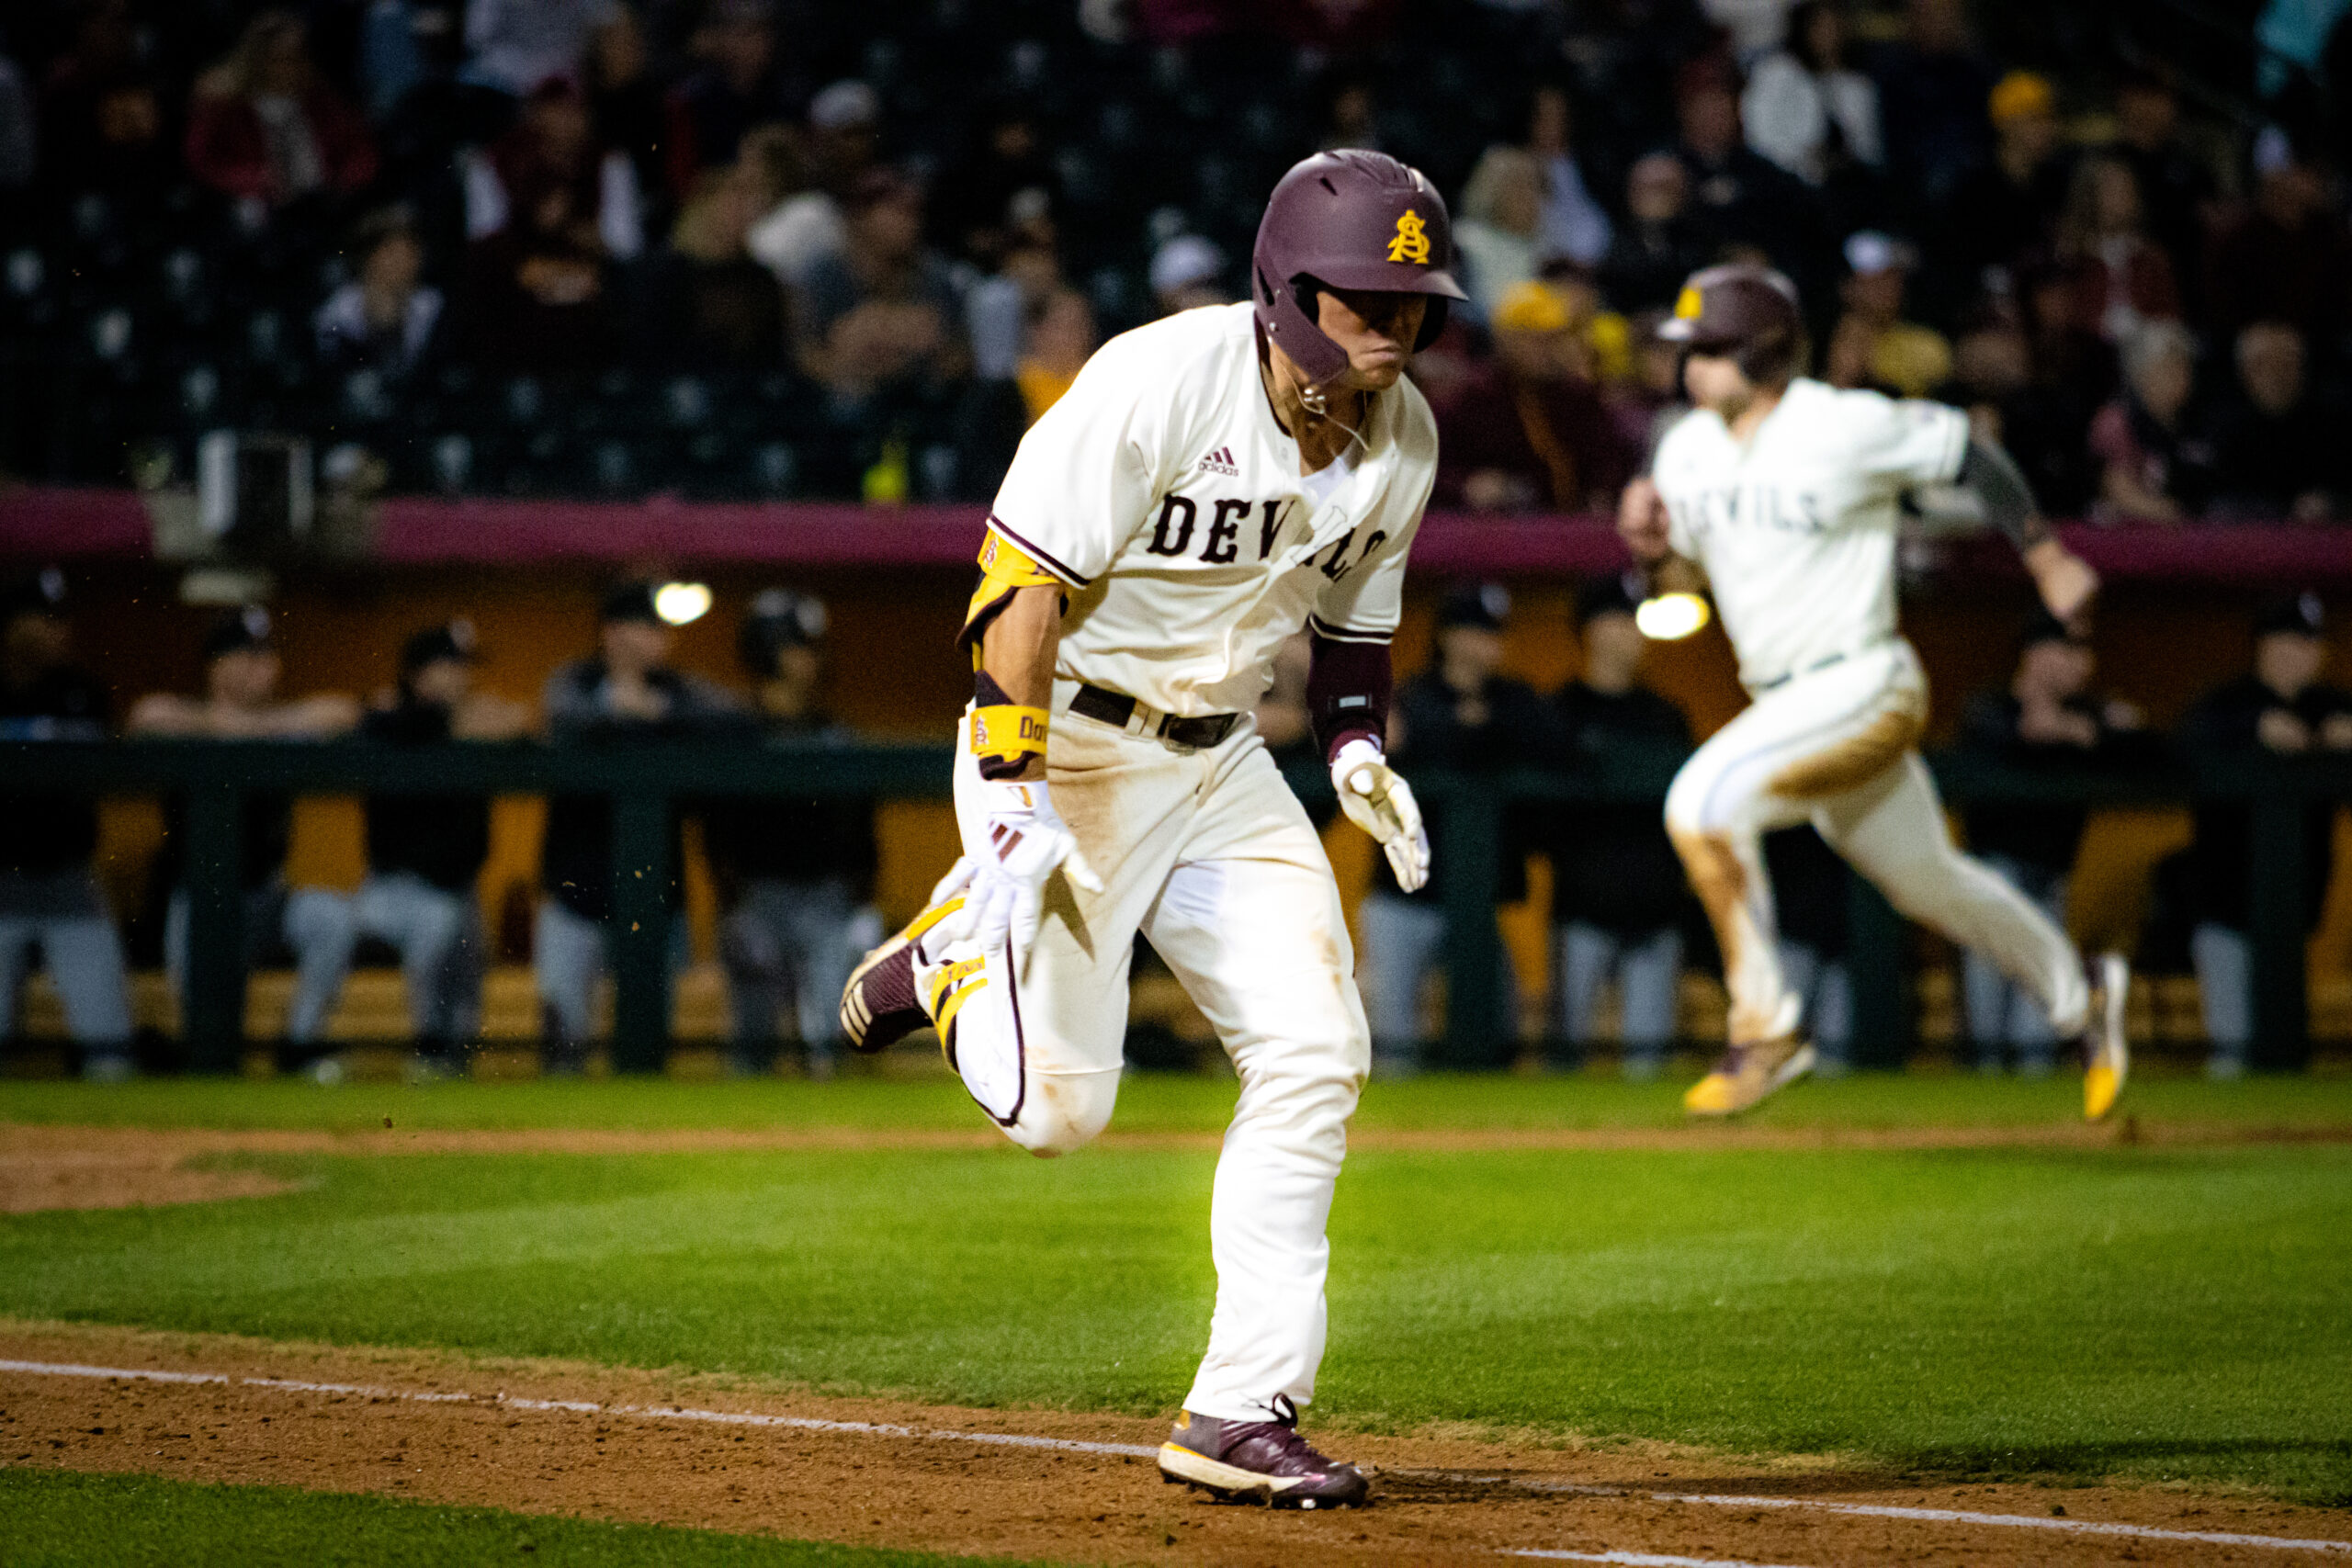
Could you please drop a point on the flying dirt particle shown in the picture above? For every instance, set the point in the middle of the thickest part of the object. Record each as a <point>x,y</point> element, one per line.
<point>388,1122</point>
<point>2057,1510</point>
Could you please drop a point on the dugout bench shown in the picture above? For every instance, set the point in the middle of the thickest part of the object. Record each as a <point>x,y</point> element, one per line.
<point>644,782</point>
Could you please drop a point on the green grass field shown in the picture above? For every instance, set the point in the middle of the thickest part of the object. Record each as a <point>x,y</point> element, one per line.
<point>2151,1310</point>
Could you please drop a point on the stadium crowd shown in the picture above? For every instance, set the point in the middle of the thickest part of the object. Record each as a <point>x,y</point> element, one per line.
<point>794,877</point>
<point>768,248</point>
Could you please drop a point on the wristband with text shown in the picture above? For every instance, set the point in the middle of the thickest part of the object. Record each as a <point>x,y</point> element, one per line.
<point>1008,732</point>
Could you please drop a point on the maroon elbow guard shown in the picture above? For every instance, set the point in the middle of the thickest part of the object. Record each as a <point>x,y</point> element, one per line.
<point>1348,687</point>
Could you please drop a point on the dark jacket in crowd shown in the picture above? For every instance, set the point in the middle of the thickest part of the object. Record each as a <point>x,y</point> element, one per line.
<point>576,859</point>
<point>2225,723</point>
<point>441,839</point>
<point>2262,461</point>
<point>1612,866</point>
<point>42,835</point>
<point>812,839</point>
<point>2042,835</point>
<point>1435,739</point>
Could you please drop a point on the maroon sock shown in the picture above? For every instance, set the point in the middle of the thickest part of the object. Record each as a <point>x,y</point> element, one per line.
<point>890,985</point>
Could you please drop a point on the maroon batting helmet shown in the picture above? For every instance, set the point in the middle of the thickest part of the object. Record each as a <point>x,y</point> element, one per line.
<point>1748,312</point>
<point>1350,219</point>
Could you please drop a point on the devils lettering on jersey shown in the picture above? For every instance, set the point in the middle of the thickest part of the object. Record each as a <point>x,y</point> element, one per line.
<point>1751,505</point>
<point>1172,533</point>
<point>1165,543</point>
<point>1225,532</point>
<point>1269,528</point>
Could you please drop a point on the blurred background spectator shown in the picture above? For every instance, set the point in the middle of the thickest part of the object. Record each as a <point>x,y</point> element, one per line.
<point>1874,345</point>
<point>264,127</point>
<point>1531,430</point>
<point>388,319</point>
<point>1806,108</point>
<point>49,903</point>
<point>2277,441</point>
<point>2151,468</point>
<point>1618,907</point>
<point>797,877</point>
<point>2050,721</point>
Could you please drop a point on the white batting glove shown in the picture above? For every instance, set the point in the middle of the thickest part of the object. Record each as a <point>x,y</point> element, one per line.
<point>1003,876</point>
<point>1378,800</point>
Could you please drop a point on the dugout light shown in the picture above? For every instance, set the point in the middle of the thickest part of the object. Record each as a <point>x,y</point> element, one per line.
<point>680,602</point>
<point>1670,617</point>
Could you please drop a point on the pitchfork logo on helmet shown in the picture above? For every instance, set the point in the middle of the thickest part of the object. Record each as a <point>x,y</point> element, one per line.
<point>1412,240</point>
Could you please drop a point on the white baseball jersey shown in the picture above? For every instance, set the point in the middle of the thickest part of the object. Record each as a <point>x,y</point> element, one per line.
<point>1161,489</point>
<point>1796,528</point>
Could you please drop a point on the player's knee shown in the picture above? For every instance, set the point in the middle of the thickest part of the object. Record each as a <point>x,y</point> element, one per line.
<point>1686,803</point>
<point>1064,1111</point>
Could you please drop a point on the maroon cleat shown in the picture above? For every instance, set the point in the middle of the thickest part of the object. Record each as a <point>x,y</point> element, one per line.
<point>1258,1462</point>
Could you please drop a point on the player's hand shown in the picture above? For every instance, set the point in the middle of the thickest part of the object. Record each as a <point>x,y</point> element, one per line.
<point>1023,841</point>
<point>1378,800</point>
<point>1642,522</point>
<point>2066,581</point>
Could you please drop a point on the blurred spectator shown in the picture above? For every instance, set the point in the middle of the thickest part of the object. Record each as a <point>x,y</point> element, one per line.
<point>626,693</point>
<point>1500,226</point>
<point>1459,715</point>
<point>1737,198</point>
<point>884,311</point>
<point>2151,468</point>
<point>1351,118</point>
<point>2126,279</point>
<point>1061,338</point>
<point>1756,26</point>
<point>1932,90</point>
<point>384,320</point>
<point>2048,722</point>
<point>103,122</point>
<point>1003,193</point>
<point>795,877</point>
<point>808,228</point>
<point>553,146</point>
<point>1806,108</point>
<point>1811,892</point>
<point>2002,210</point>
<point>2176,187</point>
<point>1574,224</point>
<point>264,126</point>
<point>516,45</point>
<point>626,111</point>
<point>425,855</point>
<point>2285,258</point>
<point>1873,345</point>
<point>729,310</point>
<point>240,703</point>
<point>1617,901</point>
<point>737,86</point>
<point>1658,245</point>
<point>2277,443</point>
<point>1186,273</point>
<point>48,899</point>
<point>1530,431</point>
<point>2281,709</point>
<point>536,286</point>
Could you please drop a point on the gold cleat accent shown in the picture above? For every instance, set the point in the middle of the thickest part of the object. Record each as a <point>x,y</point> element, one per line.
<point>1747,1075</point>
<point>861,1026</point>
<point>2107,1053</point>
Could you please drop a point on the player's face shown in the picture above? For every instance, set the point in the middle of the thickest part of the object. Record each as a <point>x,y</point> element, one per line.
<point>1716,383</point>
<point>1378,330</point>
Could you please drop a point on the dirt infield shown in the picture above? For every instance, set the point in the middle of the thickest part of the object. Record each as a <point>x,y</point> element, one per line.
<point>108,1168</point>
<point>723,1454</point>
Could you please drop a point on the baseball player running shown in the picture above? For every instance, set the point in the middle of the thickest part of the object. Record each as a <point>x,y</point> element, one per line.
<point>1209,484</point>
<point>1782,492</point>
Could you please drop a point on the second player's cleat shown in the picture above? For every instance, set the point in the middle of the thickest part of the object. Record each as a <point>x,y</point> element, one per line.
<point>880,1005</point>
<point>2106,1054</point>
<point>1258,1462</point>
<point>1746,1074</point>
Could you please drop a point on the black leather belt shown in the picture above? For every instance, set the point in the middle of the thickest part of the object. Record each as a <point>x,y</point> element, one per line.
<point>1116,708</point>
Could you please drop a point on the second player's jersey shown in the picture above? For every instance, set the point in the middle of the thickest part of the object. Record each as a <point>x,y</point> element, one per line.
<point>1796,528</point>
<point>1163,492</point>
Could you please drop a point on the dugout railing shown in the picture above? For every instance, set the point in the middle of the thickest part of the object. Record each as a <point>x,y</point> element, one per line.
<point>646,784</point>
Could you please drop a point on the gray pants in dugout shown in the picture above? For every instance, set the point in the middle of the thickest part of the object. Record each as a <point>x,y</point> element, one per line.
<point>65,916</point>
<point>568,959</point>
<point>2223,958</point>
<point>264,926</point>
<point>436,933</point>
<point>2000,1011</point>
<point>789,947</point>
<point>1403,941</point>
<point>1649,967</point>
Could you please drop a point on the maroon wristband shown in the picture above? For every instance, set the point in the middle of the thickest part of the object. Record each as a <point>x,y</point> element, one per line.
<point>1348,687</point>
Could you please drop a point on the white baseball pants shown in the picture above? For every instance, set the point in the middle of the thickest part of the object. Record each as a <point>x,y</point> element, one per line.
<point>1209,854</point>
<point>1835,747</point>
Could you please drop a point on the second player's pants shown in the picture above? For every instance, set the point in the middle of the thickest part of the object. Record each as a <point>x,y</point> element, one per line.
<point>1835,747</point>
<point>1209,854</point>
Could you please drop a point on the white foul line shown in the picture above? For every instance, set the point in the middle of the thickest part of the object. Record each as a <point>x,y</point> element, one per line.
<point>1140,1450</point>
<point>1643,1559</point>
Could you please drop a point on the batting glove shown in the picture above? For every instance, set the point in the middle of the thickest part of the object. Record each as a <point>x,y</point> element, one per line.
<point>1003,876</point>
<point>1378,800</point>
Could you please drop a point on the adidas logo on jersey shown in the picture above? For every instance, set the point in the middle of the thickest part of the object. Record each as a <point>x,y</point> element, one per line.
<point>1221,462</point>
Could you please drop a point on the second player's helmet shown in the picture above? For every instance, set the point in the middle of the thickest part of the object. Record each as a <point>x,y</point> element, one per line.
<point>1748,313</point>
<point>1348,220</point>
